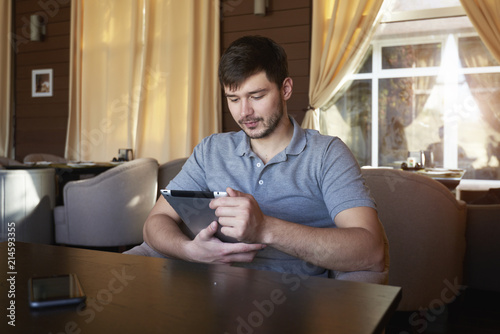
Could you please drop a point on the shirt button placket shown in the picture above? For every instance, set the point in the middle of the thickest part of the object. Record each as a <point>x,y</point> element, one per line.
<point>259,165</point>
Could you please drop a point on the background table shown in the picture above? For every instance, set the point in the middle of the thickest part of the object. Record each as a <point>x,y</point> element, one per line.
<point>66,172</point>
<point>135,294</point>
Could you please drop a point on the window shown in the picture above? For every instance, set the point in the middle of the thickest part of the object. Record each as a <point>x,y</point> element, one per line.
<point>429,84</point>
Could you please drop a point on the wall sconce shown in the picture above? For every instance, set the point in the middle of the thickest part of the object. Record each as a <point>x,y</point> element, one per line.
<point>37,28</point>
<point>259,7</point>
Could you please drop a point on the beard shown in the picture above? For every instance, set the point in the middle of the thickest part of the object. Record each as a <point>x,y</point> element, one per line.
<point>269,125</point>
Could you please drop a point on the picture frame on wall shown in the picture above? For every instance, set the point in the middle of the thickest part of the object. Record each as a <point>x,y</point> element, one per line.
<point>42,83</point>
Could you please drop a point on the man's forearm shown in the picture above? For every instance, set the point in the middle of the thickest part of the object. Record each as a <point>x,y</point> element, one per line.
<point>342,249</point>
<point>164,235</point>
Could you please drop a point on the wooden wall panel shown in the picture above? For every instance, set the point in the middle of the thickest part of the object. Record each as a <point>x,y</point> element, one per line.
<point>288,22</point>
<point>40,122</point>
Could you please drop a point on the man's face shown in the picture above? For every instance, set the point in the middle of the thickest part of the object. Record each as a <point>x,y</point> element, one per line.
<point>256,106</point>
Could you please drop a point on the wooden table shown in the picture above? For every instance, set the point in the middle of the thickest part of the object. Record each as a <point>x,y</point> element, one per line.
<point>136,294</point>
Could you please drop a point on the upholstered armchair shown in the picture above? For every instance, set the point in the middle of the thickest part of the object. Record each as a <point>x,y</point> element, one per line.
<point>168,171</point>
<point>108,210</point>
<point>4,161</point>
<point>425,226</point>
<point>482,259</point>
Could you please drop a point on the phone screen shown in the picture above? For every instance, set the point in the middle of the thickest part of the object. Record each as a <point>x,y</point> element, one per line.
<point>55,290</point>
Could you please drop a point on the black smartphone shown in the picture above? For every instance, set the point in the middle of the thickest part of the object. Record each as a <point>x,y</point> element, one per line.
<point>55,290</point>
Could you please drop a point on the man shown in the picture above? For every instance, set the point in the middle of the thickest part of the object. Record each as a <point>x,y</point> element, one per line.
<point>297,202</point>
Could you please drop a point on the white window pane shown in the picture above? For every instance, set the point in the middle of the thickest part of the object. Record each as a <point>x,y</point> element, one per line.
<point>408,121</point>
<point>350,120</point>
<point>427,84</point>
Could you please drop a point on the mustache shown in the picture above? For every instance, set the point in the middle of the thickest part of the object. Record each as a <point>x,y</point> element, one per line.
<point>250,120</point>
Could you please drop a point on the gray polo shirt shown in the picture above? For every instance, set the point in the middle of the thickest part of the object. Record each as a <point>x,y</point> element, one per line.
<point>308,183</point>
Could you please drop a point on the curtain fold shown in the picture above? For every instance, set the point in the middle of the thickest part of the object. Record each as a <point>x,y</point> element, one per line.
<point>143,76</point>
<point>485,16</point>
<point>341,35</point>
<point>5,77</point>
<point>485,87</point>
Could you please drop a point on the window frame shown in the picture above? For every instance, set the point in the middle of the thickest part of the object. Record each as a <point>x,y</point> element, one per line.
<point>379,73</point>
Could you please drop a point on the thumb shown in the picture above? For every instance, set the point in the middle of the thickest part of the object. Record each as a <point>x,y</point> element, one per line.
<point>233,193</point>
<point>208,232</point>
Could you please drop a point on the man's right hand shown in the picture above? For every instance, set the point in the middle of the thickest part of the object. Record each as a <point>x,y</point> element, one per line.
<point>207,248</point>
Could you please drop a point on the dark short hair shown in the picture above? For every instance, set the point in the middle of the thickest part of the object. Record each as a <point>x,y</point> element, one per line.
<point>250,55</point>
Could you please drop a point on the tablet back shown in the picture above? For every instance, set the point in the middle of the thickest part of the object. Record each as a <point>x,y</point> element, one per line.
<point>193,208</point>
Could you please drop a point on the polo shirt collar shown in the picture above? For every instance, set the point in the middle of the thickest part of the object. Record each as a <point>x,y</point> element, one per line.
<point>296,146</point>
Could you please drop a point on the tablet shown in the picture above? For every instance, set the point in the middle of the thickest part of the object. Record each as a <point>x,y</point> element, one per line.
<point>193,208</point>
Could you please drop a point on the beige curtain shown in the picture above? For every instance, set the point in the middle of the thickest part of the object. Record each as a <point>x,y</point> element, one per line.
<point>341,35</point>
<point>5,78</point>
<point>485,16</point>
<point>485,87</point>
<point>143,76</point>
